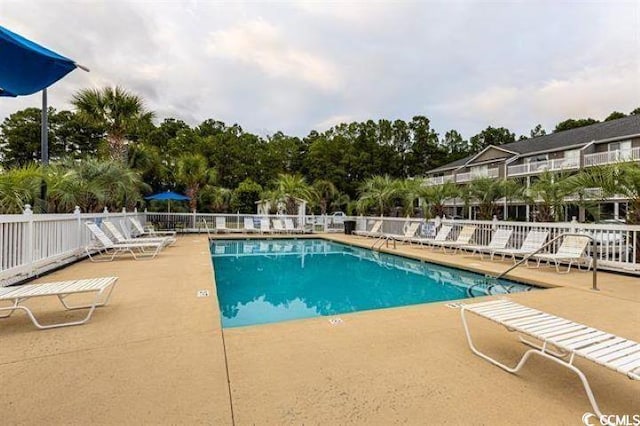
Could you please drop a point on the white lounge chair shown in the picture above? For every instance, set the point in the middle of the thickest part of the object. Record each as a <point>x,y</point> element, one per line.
<point>440,237</point>
<point>249,226</point>
<point>221,225</point>
<point>409,233</point>
<point>278,226</point>
<point>128,236</point>
<point>139,250</point>
<point>265,227</point>
<point>16,295</point>
<point>121,239</point>
<point>562,341</point>
<point>532,242</point>
<point>572,249</point>
<point>464,238</point>
<point>375,230</point>
<point>149,230</point>
<point>290,227</point>
<point>499,241</point>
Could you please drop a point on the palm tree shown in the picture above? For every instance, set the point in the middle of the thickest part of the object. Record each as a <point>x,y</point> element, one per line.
<point>65,188</point>
<point>487,192</point>
<point>512,189</point>
<point>192,171</point>
<point>409,190</point>
<point>92,185</point>
<point>287,188</point>
<point>325,192</point>
<point>341,202</point>
<point>116,111</point>
<point>622,178</point>
<point>19,186</point>
<point>435,196</point>
<point>377,191</point>
<point>548,193</point>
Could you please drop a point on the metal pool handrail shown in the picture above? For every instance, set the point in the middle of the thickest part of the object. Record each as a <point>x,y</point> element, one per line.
<point>594,284</point>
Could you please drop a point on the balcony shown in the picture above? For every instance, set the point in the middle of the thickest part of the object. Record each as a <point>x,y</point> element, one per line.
<point>611,157</point>
<point>439,180</point>
<point>542,166</point>
<point>469,176</point>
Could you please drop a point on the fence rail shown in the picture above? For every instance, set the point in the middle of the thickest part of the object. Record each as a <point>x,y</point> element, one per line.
<point>617,245</point>
<point>35,243</point>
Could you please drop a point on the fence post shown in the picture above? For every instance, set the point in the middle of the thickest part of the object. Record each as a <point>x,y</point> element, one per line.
<point>28,246</point>
<point>326,223</point>
<point>193,219</point>
<point>77,214</point>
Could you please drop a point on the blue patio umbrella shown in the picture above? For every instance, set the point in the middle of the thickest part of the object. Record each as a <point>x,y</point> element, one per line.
<point>27,68</point>
<point>167,196</point>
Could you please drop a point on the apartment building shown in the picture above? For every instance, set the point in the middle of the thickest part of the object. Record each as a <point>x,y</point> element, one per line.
<point>567,152</point>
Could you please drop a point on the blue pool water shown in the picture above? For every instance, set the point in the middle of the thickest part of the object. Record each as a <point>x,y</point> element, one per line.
<point>264,281</point>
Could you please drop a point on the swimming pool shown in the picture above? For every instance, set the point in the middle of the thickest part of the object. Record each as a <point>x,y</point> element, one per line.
<point>265,281</point>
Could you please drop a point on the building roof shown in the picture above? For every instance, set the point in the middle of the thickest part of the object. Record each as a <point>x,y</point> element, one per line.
<point>613,129</point>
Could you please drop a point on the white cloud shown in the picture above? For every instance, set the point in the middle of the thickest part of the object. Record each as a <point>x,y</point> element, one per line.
<point>591,92</point>
<point>295,66</point>
<point>331,121</point>
<point>262,44</point>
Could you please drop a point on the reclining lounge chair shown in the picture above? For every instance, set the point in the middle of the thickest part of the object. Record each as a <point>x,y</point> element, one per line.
<point>139,250</point>
<point>562,341</point>
<point>375,230</point>
<point>408,235</point>
<point>16,295</point>
<point>571,250</point>
<point>532,242</point>
<point>121,239</point>
<point>149,230</point>
<point>440,237</point>
<point>249,226</point>
<point>499,241</point>
<point>290,227</point>
<point>464,238</point>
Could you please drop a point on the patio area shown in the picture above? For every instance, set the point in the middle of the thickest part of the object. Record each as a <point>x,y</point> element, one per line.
<point>156,354</point>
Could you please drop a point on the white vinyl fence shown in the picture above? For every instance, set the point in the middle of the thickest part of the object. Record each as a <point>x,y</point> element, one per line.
<point>35,243</point>
<point>199,222</point>
<point>616,245</point>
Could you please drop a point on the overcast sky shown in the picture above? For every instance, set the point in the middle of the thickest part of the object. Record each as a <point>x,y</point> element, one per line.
<point>297,66</point>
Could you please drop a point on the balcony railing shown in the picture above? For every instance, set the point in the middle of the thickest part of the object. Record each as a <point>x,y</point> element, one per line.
<point>611,157</point>
<point>469,176</point>
<point>439,180</point>
<point>542,166</point>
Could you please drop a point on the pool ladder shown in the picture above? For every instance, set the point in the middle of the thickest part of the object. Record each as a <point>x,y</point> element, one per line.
<point>490,283</point>
<point>377,244</point>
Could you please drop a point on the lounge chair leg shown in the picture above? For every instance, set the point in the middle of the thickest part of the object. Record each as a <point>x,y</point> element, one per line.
<point>11,309</point>
<point>556,353</point>
<point>44,327</point>
<point>543,353</point>
<point>96,302</point>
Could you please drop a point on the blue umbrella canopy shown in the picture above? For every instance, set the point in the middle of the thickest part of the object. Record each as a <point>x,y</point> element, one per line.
<point>168,195</point>
<point>27,67</point>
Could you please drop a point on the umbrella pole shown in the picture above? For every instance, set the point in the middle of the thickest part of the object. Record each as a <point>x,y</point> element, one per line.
<point>169,206</point>
<point>44,147</point>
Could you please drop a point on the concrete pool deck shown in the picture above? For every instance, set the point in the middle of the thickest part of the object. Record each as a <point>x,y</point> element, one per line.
<point>156,354</point>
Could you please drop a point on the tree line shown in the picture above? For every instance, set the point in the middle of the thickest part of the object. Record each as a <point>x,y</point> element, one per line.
<point>220,166</point>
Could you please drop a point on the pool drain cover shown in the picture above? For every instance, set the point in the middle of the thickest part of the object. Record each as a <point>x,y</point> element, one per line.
<point>202,293</point>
